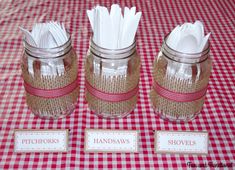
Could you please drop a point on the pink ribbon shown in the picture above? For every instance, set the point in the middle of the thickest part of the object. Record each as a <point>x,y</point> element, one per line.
<point>50,93</point>
<point>179,97</point>
<point>111,97</point>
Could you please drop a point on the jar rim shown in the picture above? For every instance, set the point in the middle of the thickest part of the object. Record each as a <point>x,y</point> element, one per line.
<point>31,46</point>
<point>113,54</point>
<point>186,57</point>
<point>37,52</point>
<point>118,49</point>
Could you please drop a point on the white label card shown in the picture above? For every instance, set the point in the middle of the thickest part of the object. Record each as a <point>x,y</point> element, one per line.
<point>181,142</point>
<point>110,141</point>
<point>38,140</point>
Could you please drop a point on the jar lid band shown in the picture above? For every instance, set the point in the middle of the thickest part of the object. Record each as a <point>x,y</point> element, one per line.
<point>179,97</point>
<point>50,93</point>
<point>111,97</point>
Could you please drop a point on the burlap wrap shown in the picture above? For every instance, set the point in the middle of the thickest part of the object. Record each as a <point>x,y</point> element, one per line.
<point>112,84</point>
<point>53,107</point>
<point>173,110</point>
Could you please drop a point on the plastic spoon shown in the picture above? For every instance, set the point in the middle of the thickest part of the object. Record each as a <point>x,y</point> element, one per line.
<point>188,44</point>
<point>204,42</point>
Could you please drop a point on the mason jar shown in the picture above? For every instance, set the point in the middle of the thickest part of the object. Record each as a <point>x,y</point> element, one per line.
<point>180,83</point>
<point>111,80</point>
<point>50,79</point>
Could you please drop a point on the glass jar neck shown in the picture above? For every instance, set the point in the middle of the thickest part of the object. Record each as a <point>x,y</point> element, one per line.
<point>113,54</point>
<point>48,53</point>
<point>188,58</point>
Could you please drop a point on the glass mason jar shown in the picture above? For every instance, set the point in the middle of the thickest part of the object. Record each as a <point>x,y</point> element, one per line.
<point>180,83</point>
<point>50,79</point>
<point>112,79</point>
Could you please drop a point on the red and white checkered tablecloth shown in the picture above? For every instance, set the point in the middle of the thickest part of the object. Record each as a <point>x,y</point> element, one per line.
<point>159,18</point>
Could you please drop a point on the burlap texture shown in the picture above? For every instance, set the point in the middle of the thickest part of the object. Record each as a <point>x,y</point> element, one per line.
<point>178,110</point>
<point>52,107</point>
<point>112,84</point>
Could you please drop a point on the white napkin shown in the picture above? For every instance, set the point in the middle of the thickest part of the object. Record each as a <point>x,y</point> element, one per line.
<point>187,38</point>
<point>47,35</point>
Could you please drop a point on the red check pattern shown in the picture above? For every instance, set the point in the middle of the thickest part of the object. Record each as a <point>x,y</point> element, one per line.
<point>159,18</point>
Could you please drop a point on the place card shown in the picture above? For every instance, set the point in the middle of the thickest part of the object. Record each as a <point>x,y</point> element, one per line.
<point>182,142</point>
<point>40,140</point>
<point>110,141</point>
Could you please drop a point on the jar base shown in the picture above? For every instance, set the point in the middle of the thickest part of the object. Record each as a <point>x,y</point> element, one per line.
<point>107,115</point>
<point>55,117</point>
<point>167,117</point>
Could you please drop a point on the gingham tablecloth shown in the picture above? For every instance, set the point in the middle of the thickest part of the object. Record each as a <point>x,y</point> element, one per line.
<point>159,18</point>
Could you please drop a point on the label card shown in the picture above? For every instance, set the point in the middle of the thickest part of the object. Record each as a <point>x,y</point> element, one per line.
<point>181,142</point>
<point>38,140</point>
<point>110,141</point>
